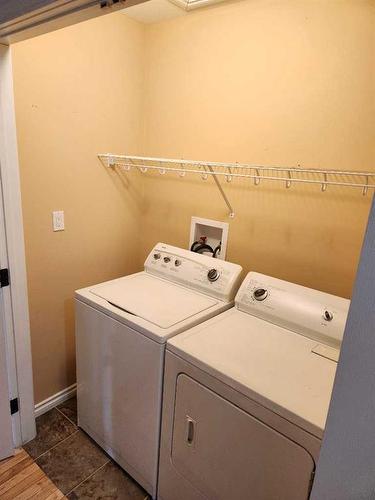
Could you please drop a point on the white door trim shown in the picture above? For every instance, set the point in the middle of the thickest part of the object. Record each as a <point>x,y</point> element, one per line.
<point>6,428</point>
<point>10,181</point>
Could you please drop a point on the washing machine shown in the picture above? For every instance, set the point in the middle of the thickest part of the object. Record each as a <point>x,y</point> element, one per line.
<point>121,330</point>
<point>246,395</point>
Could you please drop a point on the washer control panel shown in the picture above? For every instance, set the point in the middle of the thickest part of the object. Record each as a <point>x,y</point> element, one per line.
<point>213,277</point>
<point>309,312</point>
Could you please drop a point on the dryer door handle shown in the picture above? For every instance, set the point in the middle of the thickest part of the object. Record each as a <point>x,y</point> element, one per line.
<point>190,430</point>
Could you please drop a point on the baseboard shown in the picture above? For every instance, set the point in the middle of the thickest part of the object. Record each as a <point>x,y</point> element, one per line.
<point>55,400</point>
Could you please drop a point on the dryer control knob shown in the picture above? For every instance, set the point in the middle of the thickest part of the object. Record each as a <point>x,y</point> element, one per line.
<point>328,316</point>
<point>260,294</point>
<point>213,275</point>
<point>157,256</point>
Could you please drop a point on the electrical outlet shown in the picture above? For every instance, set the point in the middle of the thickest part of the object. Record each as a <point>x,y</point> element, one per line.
<point>58,220</point>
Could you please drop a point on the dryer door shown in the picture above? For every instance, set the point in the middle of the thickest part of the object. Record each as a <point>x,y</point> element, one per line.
<point>226,453</point>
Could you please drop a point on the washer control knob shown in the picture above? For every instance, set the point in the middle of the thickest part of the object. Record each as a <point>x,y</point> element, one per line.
<point>157,256</point>
<point>167,259</point>
<point>177,263</point>
<point>260,294</point>
<point>327,315</point>
<point>213,275</point>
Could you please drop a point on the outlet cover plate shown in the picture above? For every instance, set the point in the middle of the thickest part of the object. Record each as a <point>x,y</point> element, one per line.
<point>58,220</point>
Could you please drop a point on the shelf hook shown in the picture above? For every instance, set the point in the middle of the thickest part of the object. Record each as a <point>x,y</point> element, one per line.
<point>204,176</point>
<point>288,183</point>
<point>161,170</point>
<point>228,178</point>
<point>257,178</point>
<point>365,188</point>
<point>182,172</point>
<point>111,161</point>
<point>324,184</point>
<point>128,165</point>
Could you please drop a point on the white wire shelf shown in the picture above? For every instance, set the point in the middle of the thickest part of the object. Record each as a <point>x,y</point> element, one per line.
<point>256,173</point>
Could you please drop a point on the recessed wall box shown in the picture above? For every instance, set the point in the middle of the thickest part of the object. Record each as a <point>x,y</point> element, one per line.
<point>214,233</point>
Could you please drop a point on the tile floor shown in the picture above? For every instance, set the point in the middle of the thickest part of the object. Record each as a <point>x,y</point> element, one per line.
<point>74,463</point>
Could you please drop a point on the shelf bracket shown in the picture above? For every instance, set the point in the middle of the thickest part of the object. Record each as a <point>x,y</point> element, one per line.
<point>220,188</point>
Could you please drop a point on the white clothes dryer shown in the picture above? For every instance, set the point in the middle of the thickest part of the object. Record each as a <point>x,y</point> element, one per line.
<point>246,395</point>
<point>121,330</point>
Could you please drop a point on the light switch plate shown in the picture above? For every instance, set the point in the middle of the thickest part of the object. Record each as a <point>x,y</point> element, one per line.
<point>58,220</point>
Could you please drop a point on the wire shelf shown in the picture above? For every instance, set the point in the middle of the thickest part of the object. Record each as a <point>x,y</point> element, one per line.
<point>255,173</point>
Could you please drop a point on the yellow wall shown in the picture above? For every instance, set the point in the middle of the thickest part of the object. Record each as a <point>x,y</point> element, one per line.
<point>270,82</point>
<point>275,83</point>
<point>78,92</point>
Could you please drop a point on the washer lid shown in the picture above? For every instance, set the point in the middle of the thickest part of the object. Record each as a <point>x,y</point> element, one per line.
<point>160,302</point>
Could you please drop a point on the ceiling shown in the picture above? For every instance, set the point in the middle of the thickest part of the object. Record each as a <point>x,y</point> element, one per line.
<point>154,11</point>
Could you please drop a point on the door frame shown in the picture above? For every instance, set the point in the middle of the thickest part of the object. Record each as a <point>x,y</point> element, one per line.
<point>20,372</point>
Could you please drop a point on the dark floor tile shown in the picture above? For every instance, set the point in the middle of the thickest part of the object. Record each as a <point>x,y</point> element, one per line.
<point>109,482</point>
<point>72,461</point>
<point>69,409</point>
<point>51,428</point>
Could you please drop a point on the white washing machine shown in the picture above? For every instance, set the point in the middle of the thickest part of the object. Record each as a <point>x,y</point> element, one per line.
<point>121,330</point>
<point>246,395</point>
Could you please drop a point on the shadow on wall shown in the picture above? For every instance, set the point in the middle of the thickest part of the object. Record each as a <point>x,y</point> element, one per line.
<point>129,186</point>
<point>300,234</point>
<point>69,320</point>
